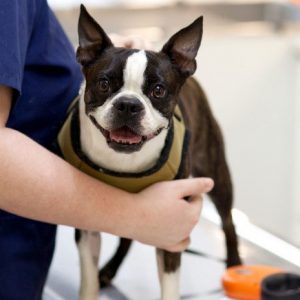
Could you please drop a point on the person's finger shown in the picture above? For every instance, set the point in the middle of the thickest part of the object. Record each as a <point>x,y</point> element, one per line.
<point>140,43</point>
<point>196,200</point>
<point>194,186</point>
<point>132,41</point>
<point>136,42</point>
<point>180,246</point>
<point>128,44</point>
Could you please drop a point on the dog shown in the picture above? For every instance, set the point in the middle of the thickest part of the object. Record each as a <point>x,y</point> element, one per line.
<point>142,118</point>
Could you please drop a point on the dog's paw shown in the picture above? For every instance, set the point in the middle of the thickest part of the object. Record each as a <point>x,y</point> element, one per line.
<point>105,276</point>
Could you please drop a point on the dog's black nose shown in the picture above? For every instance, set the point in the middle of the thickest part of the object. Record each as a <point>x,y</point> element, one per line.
<point>128,106</point>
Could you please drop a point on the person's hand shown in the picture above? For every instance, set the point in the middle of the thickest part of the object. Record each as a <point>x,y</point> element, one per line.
<point>163,218</point>
<point>132,42</point>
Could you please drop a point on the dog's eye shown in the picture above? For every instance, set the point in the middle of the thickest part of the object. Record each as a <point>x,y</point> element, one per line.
<point>158,92</point>
<point>104,85</point>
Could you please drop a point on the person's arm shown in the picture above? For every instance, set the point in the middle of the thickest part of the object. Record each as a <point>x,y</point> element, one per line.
<point>37,184</point>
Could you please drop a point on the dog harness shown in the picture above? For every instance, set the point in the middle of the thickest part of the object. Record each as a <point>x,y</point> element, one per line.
<point>168,167</point>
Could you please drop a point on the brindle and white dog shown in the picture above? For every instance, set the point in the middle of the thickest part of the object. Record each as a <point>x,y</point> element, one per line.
<point>125,114</point>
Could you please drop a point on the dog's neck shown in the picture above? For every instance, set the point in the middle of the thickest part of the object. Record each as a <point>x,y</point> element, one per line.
<point>95,147</point>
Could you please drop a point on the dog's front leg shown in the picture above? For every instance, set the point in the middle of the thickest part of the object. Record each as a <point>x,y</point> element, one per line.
<point>169,277</point>
<point>88,244</point>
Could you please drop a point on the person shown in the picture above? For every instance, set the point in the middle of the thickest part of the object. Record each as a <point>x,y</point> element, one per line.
<point>39,77</point>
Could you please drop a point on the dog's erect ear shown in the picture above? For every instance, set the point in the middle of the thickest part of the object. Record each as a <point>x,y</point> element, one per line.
<point>92,38</point>
<point>183,46</point>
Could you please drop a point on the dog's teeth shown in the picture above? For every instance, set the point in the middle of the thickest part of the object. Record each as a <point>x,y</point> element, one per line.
<point>125,136</point>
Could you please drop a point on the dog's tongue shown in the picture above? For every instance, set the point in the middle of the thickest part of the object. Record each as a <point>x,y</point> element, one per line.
<point>125,135</point>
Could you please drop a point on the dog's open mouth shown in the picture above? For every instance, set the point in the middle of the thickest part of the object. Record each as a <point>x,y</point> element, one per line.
<point>127,136</point>
<point>124,135</point>
<point>125,139</point>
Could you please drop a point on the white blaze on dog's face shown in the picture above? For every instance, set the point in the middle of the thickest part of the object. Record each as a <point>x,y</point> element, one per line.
<point>130,95</point>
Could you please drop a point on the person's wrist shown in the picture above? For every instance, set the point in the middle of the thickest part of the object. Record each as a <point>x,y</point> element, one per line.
<point>127,218</point>
<point>135,213</point>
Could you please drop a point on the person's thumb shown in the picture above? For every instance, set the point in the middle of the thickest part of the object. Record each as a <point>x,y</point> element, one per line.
<point>180,247</point>
<point>194,186</point>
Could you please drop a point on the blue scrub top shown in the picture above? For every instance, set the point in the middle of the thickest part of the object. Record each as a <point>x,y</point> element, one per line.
<point>38,62</point>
